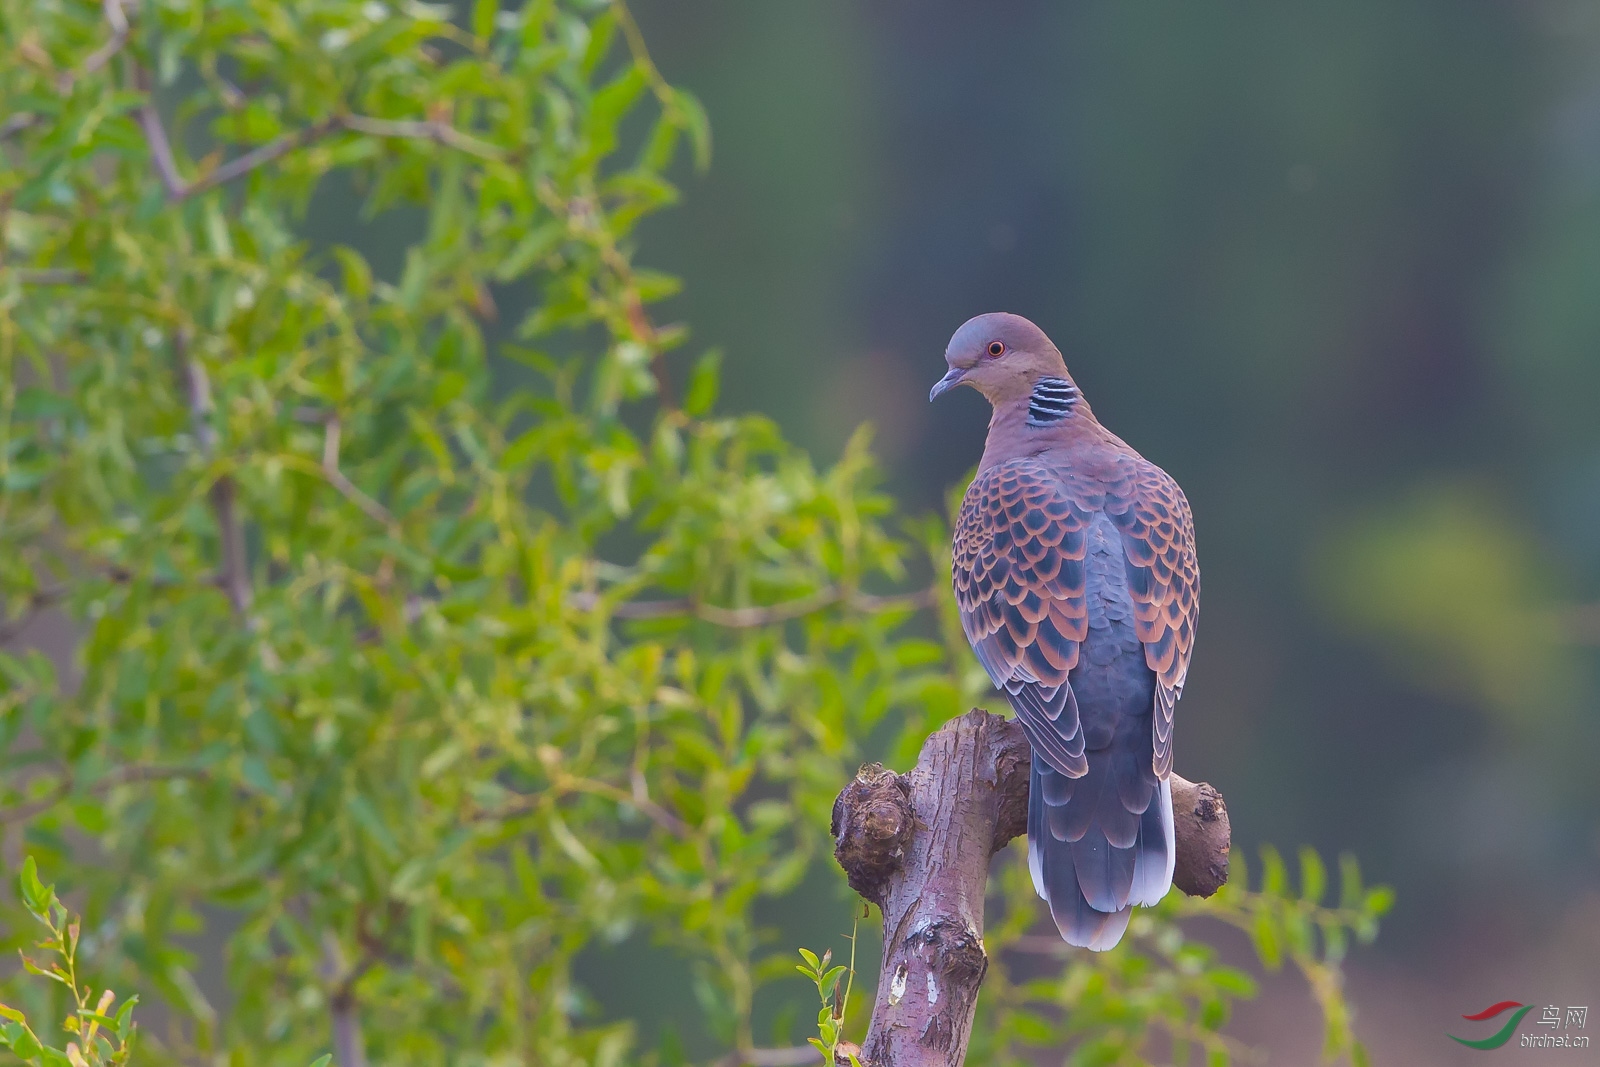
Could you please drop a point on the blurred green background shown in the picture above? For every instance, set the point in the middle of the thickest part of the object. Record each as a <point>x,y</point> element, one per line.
<point>1337,269</point>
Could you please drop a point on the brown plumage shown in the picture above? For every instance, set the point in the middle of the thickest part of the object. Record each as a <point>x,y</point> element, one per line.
<point>1074,568</point>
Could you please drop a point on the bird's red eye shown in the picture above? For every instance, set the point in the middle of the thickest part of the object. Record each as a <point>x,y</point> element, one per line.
<point>996,348</point>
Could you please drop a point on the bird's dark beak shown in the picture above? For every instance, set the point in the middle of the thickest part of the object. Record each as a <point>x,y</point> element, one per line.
<point>947,383</point>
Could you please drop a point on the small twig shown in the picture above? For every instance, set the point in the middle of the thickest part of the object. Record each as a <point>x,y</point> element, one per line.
<point>121,776</point>
<point>656,813</point>
<point>120,30</point>
<point>102,55</point>
<point>336,477</point>
<point>439,132</point>
<point>234,573</point>
<point>763,615</point>
<point>256,157</point>
<point>349,1047</point>
<point>155,134</point>
<point>641,53</point>
<point>52,276</point>
<point>562,782</point>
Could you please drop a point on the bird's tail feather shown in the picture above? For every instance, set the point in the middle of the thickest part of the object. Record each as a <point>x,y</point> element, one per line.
<point>1090,856</point>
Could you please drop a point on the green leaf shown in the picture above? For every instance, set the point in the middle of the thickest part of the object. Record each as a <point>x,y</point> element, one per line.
<point>22,1042</point>
<point>35,403</point>
<point>1378,901</point>
<point>1350,893</point>
<point>35,894</point>
<point>1264,932</point>
<point>539,242</point>
<point>123,1023</point>
<point>701,394</point>
<point>831,979</point>
<point>483,17</point>
<point>697,125</point>
<point>1274,877</point>
<point>1313,876</point>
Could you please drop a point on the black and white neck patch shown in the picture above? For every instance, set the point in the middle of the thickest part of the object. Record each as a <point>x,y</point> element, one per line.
<point>1051,401</point>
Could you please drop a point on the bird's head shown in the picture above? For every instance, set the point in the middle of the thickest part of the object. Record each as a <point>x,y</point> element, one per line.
<point>1004,357</point>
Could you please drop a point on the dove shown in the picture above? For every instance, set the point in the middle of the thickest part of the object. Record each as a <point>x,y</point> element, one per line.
<point>1074,568</point>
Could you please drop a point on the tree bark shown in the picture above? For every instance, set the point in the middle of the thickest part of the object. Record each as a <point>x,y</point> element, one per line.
<point>918,845</point>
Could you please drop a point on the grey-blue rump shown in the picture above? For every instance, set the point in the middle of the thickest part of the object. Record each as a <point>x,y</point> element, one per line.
<point>1075,573</point>
<point>1105,840</point>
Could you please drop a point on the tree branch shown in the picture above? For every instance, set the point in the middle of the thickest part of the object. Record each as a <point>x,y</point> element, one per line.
<point>336,477</point>
<point>918,845</point>
<point>234,574</point>
<point>102,55</point>
<point>761,615</point>
<point>155,135</point>
<point>256,157</point>
<point>349,1047</point>
<point>51,276</point>
<point>120,776</point>
<point>24,120</point>
<point>438,132</point>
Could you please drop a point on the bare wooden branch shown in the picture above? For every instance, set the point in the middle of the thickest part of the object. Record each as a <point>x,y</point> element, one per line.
<point>918,845</point>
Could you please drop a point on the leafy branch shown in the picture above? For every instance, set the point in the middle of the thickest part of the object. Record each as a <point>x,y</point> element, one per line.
<point>97,1037</point>
<point>1285,923</point>
<point>834,984</point>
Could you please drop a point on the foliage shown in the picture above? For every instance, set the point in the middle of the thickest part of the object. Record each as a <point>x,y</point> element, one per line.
<point>98,1038</point>
<point>421,650</point>
<point>1162,995</point>
<point>833,989</point>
